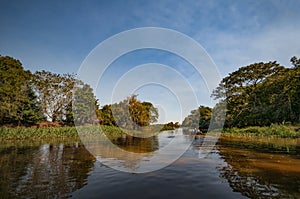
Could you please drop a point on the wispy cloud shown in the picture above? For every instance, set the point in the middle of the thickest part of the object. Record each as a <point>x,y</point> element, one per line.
<point>231,51</point>
<point>57,35</point>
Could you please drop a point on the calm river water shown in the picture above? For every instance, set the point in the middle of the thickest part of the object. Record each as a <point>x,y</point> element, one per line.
<point>235,168</point>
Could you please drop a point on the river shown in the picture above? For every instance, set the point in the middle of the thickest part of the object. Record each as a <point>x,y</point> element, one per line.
<point>234,168</point>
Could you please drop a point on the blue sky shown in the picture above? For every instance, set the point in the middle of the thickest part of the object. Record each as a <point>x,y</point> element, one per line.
<point>58,35</point>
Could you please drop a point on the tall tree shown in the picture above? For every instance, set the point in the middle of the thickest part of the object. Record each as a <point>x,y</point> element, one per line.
<point>261,94</point>
<point>54,93</point>
<point>142,113</point>
<point>18,105</point>
<point>85,108</point>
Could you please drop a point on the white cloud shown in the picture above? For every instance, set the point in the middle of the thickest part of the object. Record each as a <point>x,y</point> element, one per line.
<point>233,50</point>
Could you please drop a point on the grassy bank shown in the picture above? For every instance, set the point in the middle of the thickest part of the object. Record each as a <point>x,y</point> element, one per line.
<point>37,133</point>
<point>24,133</point>
<point>273,131</point>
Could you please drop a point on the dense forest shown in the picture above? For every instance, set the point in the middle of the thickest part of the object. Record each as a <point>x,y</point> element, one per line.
<point>259,94</point>
<point>28,99</point>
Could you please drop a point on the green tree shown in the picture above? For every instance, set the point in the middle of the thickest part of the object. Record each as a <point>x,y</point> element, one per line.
<point>18,105</point>
<point>142,113</point>
<point>261,94</point>
<point>84,108</point>
<point>279,96</point>
<point>64,98</point>
<point>239,88</point>
<point>170,126</point>
<point>199,118</point>
<point>106,117</point>
<point>129,113</point>
<point>205,116</point>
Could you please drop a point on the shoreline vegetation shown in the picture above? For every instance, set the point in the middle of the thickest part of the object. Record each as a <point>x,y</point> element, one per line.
<point>273,131</point>
<point>258,100</point>
<point>27,133</point>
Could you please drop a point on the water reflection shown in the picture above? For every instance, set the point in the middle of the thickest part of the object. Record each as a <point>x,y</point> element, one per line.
<point>136,144</point>
<point>63,168</point>
<point>135,154</point>
<point>46,171</point>
<point>257,173</point>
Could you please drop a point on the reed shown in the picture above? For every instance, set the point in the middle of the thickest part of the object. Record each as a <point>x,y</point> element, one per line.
<point>24,133</point>
<point>274,131</point>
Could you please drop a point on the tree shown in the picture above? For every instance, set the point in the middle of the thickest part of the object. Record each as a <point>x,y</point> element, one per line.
<point>280,96</point>
<point>64,98</point>
<point>239,88</point>
<point>170,126</point>
<point>106,116</point>
<point>129,113</point>
<point>151,113</point>
<point>84,108</point>
<point>205,116</point>
<point>142,113</point>
<point>18,105</point>
<point>261,94</point>
<point>295,61</point>
<point>199,118</point>
<point>54,93</point>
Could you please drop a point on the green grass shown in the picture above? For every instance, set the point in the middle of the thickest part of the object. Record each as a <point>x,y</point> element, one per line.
<point>37,133</point>
<point>24,133</point>
<point>274,131</point>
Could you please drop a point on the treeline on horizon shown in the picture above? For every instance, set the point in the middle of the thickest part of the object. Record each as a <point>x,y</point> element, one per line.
<point>259,94</point>
<point>46,98</point>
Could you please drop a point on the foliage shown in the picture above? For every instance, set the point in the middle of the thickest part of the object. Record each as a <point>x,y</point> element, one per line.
<point>277,131</point>
<point>199,118</point>
<point>170,126</point>
<point>84,107</point>
<point>295,61</point>
<point>55,93</point>
<point>24,133</point>
<point>261,94</point>
<point>129,113</point>
<point>18,105</point>
<point>106,116</point>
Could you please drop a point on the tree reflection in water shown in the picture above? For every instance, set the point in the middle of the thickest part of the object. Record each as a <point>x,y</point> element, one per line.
<point>259,174</point>
<point>46,171</point>
<point>136,144</point>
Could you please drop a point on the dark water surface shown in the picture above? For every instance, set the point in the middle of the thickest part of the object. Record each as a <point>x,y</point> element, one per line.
<point>236,168</point>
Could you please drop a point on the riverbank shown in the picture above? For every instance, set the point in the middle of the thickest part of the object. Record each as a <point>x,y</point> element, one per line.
<point>25,133</point>
<point>273,131</point>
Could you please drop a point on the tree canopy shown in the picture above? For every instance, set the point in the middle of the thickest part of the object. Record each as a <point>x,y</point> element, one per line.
<point>18,104</point>
<point>129,113</point>
<point>199,118</point>
<point>261,94</point>
<point>58,93</point>
<point>256,95</point>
